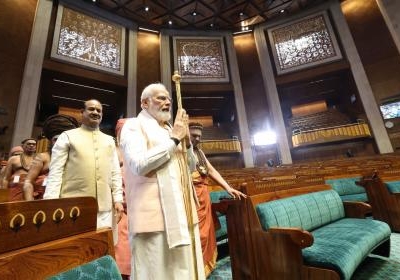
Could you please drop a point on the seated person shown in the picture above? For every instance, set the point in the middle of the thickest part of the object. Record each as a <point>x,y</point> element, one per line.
<point>35,181</point>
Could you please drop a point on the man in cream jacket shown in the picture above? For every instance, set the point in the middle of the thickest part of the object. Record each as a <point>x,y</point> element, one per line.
<point>84,162</point>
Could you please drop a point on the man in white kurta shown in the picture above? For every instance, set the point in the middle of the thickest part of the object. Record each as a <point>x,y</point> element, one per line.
<point>161,203</point>
<point>84,162</point>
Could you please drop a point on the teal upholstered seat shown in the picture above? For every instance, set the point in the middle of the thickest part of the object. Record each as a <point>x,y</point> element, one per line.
<point>355,197</point>
<point>353,240</point>
<point>347,189</point>
<point>222,232</point>
<point>217,195</point>
<point>393,187</point>
<point>102,268</point>
<point>339,243</point>
<point>308,211</point>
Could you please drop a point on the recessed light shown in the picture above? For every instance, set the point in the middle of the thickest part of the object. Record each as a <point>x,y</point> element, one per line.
<point>282,11</point>
<point>194,13</point>
<point>146,9</point>
<point>170,22</point>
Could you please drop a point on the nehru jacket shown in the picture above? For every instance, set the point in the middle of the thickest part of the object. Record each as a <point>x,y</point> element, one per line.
<point>84,162</point>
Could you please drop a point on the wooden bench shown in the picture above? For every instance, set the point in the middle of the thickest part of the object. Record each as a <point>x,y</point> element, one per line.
<point>262,247</point>
<point>384,197</point>
<point>42,238</point>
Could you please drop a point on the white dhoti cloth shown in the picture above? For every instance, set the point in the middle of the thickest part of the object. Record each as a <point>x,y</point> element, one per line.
<point>153,260</point>
<point>107,219</point>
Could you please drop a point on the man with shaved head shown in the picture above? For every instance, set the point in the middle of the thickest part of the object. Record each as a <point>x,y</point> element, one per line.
<point>84,162</point>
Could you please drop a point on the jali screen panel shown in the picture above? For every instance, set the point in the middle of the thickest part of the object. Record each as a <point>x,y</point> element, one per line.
<point>88,41</point>
<point>303,43</point>
<point>200,59</point>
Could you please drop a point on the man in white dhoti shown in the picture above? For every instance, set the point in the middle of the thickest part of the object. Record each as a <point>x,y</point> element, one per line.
<point>84,162</point>
<point>161,202</point>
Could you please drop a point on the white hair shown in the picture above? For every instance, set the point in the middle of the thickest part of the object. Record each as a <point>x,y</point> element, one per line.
<point>151,89</point>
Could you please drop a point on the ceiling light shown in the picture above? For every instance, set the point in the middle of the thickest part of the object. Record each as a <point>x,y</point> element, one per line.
<point>170,22</point>
<point>146,9</point>
<point>94,1</point>
<point>241,14</point>
<point>242,32</point>
<point>211,24</point>
<point>148,30</point>
<point>194,13</point>
<point>75,99</point>
<point>84,86</point>
<point>282,11</point>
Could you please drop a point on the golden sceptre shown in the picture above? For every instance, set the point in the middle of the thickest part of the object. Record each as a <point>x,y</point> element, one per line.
<point>189,184</point>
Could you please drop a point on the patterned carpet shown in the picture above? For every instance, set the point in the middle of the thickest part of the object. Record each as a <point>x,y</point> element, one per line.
<point>373,268</point>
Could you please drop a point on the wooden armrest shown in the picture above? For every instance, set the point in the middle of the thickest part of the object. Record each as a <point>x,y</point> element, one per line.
<point>300,237</point>
<point>356,209</point>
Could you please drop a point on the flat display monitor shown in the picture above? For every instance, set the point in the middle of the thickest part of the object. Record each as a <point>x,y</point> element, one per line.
<point>390,110</point>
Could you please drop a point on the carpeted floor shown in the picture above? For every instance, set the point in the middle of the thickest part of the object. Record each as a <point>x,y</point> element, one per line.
<point>373,268</point>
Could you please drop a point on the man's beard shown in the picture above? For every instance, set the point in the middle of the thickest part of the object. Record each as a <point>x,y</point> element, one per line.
<point>163,116</point>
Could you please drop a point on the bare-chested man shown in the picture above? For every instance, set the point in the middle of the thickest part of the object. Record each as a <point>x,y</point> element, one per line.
<point>16,169</point>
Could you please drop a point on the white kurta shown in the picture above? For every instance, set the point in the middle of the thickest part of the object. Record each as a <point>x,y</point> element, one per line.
<point>161,247</point>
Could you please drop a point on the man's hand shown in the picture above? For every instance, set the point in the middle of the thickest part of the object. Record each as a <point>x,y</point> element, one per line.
<point>180,128</point>
<point>236,194</point>
<point>119,210</point>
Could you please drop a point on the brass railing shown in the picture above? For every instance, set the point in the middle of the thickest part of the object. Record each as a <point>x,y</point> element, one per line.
<point>221,146</point>
<point>330,134</point>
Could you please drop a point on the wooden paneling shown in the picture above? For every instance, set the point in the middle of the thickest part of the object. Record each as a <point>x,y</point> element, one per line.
<point>148,62</point>
<point>16,19</point>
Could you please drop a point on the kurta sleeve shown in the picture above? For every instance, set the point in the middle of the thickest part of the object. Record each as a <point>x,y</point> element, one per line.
<point>137,156</point>
<point>59,156</point>
<point>116,179</point>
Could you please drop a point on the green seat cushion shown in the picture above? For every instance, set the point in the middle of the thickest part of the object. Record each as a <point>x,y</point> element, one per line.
<point>307,211</point>
<point>355,197</point>
<point>342,245</point>
<point>393,187</point>
<point>102,268</point>
<point>222,232</point>
<point>345,186</point>
<point>217,195</point>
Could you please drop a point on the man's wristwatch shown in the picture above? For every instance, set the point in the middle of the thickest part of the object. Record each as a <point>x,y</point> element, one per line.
<point>176,140</point>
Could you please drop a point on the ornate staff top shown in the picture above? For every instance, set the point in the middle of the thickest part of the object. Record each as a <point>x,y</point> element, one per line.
<point>177,79</point>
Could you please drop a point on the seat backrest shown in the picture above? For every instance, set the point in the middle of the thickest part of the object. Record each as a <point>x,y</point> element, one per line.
<point>216,196</point>
<point>101,268</point>
<point>393,186</point>
<point>345,186</point>
<point>306,211</point>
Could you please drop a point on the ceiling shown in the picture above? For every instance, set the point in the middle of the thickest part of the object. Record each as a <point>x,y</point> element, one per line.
<point>231,15</point>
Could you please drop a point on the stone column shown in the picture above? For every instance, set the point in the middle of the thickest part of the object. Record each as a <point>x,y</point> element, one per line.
<point>273,97</point>
<point>364,88</point>
<point>239,101</point>
<point>28,96</point>
<point>390,10</point>
<point>165,61</point>
<point>132,75</point>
